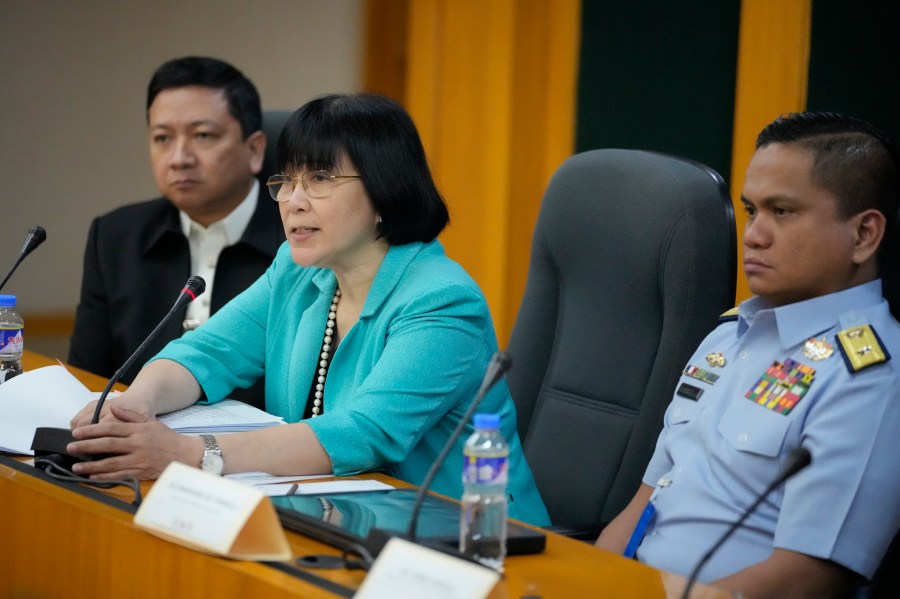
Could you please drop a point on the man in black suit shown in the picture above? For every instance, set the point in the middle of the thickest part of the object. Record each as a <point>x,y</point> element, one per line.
<point>214,220</point>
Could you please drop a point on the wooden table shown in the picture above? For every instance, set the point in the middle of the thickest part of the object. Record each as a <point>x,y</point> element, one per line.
<point>60,540</point>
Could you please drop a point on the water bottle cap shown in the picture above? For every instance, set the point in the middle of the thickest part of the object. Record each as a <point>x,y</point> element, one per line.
<point>7,301</point>
<point>487,421</point>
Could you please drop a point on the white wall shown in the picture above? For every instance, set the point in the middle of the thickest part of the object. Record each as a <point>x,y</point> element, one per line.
<point>73,80</point>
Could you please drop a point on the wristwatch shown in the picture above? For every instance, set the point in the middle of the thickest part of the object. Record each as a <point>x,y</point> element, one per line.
<point>212,460</point>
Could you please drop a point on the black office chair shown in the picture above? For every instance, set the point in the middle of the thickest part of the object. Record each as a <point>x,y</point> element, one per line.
<point>273,123</point>
<point>633,260</point>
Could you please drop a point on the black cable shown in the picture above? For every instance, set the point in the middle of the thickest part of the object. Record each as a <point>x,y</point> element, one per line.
<point>57,472</point>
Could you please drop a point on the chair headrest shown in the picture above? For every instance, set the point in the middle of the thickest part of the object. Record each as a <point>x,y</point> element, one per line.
<point>273,123</point>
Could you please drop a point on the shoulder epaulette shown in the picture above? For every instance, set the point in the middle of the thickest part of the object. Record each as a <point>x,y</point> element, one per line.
<point>861,347</point>
<point>729,316</point>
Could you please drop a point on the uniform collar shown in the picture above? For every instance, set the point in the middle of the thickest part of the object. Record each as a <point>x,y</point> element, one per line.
<point>799,321</point>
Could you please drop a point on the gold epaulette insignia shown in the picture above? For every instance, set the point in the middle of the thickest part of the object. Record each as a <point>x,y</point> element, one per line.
<point>861,347</point>
<point>729,316</point>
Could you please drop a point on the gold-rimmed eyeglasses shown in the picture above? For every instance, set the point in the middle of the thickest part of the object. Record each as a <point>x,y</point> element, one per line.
<point>316,184</point>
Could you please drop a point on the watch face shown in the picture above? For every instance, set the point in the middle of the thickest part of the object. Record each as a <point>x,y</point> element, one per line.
<point>212,463</point>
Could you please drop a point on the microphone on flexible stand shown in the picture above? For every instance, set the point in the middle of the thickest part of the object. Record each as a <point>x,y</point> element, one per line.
<point>36,236</point>
<point>798,459</point>
<point>498,366</point>
<point>50,441</point>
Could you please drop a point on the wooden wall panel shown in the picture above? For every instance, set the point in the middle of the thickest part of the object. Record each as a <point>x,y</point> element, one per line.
<point>773,62</point>
<point>491,86</point>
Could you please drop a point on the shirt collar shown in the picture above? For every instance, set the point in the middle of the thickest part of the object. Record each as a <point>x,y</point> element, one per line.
<point>801,320</point>
<point>234,223</point>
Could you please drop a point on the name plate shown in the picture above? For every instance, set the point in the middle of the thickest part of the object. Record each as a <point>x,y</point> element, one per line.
<point>404,570</point>
<point>212,514</point>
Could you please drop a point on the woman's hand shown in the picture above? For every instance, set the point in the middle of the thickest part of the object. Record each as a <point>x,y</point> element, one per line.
<point>139,445</point>
<point>126,399</point>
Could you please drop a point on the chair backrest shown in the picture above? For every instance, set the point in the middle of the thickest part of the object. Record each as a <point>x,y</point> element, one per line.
<point>273,123</point>
<point>632,261</point>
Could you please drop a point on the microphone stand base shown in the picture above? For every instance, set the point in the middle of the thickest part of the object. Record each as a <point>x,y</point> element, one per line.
<point>50,443</point>
<point>378,538</point>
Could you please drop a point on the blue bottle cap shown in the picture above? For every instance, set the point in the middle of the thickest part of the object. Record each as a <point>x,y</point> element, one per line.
<point>487,421</point>
<point>7,301</point>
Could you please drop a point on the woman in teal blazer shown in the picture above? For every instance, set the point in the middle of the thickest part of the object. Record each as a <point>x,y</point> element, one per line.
<point>372,341</point>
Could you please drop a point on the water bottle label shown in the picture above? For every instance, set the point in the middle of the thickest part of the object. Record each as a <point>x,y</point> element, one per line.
<point>11,341</point>
<point>485,470</point>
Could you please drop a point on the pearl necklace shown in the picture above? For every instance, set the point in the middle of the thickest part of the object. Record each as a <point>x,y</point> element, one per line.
<point>326,352</point>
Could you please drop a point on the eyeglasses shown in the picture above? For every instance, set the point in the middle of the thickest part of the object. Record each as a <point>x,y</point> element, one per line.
<point>316,184</point>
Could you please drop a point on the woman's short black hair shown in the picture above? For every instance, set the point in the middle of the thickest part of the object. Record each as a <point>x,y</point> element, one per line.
<point>380,139</point>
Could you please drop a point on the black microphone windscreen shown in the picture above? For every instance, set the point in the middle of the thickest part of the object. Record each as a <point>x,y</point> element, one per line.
<point>500,363</point>
<point>504,361</point>
<point>797,461</point>
<point>35,237</point>
<point>195,286</point>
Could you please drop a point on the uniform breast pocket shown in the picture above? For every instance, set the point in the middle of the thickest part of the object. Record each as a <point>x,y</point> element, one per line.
<point>751,428</point>
<point>681,411</point>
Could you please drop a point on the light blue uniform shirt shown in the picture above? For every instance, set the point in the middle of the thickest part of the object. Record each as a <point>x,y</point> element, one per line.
<point>399,381</point>
<point>716,454</point>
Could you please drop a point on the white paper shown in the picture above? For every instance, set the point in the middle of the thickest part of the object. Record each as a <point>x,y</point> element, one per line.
<point>407,571</point>
<point>264,478</point>
<point>324,488</point>
<point>48,396</point>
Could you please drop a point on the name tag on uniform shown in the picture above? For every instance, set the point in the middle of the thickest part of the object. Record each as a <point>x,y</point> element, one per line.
<point>689,391</point>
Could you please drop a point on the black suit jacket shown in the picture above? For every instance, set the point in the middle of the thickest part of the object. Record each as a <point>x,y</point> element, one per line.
<point>135,264</point>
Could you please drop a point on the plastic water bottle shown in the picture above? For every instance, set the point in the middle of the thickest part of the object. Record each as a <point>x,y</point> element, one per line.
<point>482,527</point>
<point>11,338</point>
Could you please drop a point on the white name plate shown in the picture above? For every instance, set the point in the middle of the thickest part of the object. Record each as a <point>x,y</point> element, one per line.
<point>404,570</point>
<point>212,514</point>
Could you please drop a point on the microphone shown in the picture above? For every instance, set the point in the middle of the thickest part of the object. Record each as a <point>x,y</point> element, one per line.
<point>377,538</point>
<point>798,459</point>
<point>36,236</point>
<point>498,366</point>
<point>49,441</point>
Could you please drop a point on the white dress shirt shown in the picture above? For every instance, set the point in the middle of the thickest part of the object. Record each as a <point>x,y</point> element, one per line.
<point>207,243</point>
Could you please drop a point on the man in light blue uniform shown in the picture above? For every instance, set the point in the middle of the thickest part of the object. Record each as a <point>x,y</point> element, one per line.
<point>805,363</point>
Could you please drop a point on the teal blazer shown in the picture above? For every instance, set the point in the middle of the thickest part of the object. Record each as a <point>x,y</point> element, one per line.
<point>398,383</point>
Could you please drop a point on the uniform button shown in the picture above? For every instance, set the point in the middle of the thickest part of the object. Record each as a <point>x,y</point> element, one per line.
<point>676,412</point>
<point>743,354</point>
<point>702,411</point>
<point>211,264</point>
<point>742,438</point>
<point>205,302</point>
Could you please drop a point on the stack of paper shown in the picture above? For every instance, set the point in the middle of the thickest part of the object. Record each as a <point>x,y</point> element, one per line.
<point>227,416</point>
